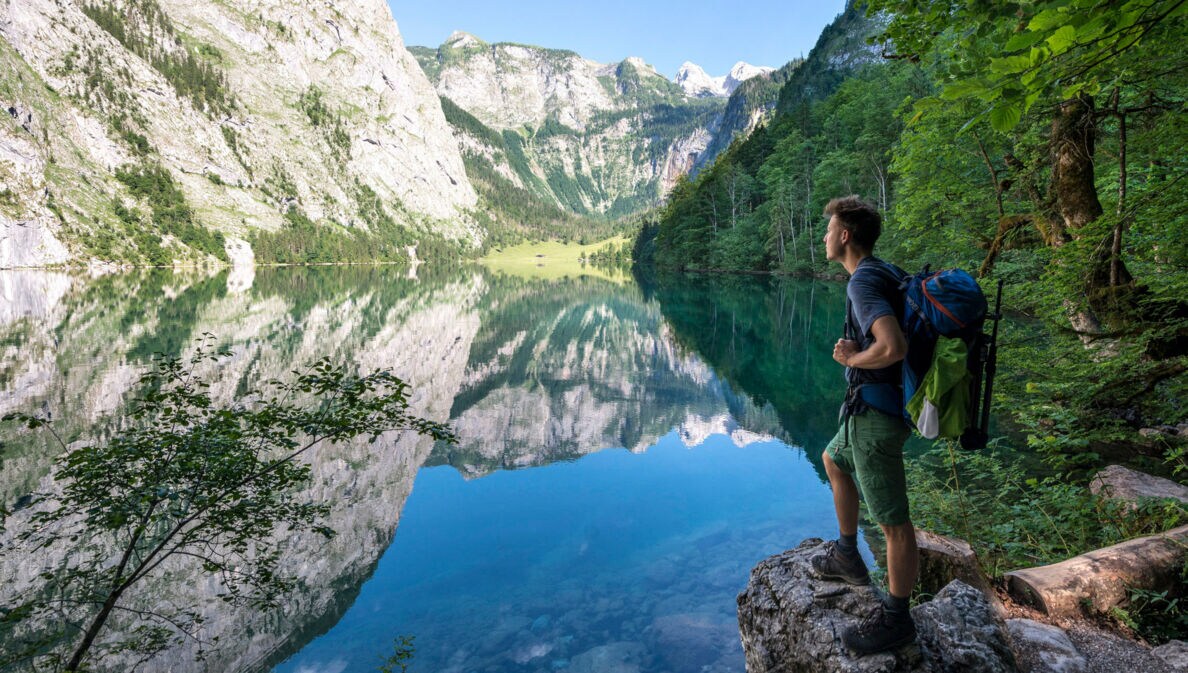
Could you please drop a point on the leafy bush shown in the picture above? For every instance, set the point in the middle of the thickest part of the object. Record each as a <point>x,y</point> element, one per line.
<point>201,484</point>
<point>1014,520</point>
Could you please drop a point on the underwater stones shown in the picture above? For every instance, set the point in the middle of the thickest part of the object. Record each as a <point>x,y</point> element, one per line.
<point>620,657</point>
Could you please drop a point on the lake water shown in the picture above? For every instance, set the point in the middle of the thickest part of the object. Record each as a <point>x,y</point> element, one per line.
<point>626,454</point>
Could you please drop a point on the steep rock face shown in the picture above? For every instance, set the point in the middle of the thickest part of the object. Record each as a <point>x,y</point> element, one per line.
<point>741,72</point>
<point>319,108</point>
<point>511,85</point>
<point>594,138</point>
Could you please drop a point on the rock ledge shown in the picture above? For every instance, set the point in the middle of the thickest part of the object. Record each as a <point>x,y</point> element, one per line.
<point>790,621</point>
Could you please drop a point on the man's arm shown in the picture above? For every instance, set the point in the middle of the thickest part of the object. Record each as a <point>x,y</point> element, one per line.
<point>889,347</point>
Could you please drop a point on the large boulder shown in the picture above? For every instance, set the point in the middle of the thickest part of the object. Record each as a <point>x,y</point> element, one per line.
<point>1043,648</point>
<point>1119,483</point>
<point>791,621</point>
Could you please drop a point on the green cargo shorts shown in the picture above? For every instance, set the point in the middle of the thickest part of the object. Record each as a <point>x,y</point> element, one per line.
<point>869,447</point>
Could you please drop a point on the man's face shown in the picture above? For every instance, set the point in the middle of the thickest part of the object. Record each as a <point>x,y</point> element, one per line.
<point>835,239</point>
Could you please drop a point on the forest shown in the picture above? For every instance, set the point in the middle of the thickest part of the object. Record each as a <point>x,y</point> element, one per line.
<point>1037,143</point>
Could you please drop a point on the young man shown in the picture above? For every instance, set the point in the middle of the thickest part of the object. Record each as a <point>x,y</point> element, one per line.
<point>866,456</point>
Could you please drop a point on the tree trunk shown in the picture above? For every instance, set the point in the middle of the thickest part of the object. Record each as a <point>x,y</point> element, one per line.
<point>1103,578</point>
<point>1073,144</point>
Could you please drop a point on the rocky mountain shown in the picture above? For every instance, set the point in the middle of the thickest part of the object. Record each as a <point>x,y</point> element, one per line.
<point>695,81</point>
<point>165,131</point>
<point>590,138</point>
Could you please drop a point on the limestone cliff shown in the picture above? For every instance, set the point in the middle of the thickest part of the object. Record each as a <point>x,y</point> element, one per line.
<point>226,115</point>
<point>594,138</point>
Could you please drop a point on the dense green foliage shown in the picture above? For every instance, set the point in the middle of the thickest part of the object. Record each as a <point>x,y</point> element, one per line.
<point>146,31</point>
<point>190,481</point>
<point>1040,143</point>
<point>303,241</point>
<point>170,214</point>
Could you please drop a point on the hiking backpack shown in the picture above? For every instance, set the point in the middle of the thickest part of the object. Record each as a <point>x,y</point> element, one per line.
<point>949,356</point>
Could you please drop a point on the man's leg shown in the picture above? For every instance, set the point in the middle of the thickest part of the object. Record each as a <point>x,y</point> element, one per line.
<point>878,459</point>
<point>841,560</point>
<point>903,559</point>
<point>845,496</point>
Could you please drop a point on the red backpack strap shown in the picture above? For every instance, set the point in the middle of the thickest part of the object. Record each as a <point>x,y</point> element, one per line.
<point>940,307</point>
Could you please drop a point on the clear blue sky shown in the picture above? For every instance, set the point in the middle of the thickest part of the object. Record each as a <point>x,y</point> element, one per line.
<point>712,33</point>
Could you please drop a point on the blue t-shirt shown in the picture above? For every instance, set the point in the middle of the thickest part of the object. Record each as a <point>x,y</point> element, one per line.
<point>873,292</point>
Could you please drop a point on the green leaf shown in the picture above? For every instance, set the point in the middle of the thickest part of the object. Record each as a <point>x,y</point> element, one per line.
<point>1039,54</point>
<point>1030,100</point>
<point>1047,19</point>
<point>962,88</point>
<point>1010,64</point>
<point>1072,90</point>
<point>1005,116</point>
<point>973,120</point>
<point>1023,40</point>
<point>1062,39</point>
<point>1092,30</point>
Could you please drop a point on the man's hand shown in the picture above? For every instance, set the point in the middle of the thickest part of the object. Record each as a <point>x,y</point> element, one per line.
<point>889,346</point>
<point>843,350</point>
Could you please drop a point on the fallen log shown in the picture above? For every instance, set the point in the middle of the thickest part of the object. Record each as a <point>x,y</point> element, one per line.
<point>1101,579</point>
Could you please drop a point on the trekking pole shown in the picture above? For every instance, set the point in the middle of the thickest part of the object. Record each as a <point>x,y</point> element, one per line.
<point>991,362</point>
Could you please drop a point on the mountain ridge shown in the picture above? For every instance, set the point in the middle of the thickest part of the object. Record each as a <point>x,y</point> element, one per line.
<point>595,139</point>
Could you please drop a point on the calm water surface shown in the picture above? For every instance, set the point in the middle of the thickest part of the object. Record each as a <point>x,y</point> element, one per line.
<point>626,454</point>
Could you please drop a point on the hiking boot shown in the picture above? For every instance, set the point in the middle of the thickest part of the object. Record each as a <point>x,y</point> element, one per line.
<point>879,632</point>
<point>832,564</point>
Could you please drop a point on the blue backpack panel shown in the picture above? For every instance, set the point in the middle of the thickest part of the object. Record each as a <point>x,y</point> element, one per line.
<point>946,303</point>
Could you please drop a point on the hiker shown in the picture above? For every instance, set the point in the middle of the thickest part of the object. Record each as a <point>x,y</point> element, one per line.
<point>866,455</point>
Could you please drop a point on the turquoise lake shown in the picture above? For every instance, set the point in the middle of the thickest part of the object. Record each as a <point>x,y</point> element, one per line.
<point>627,452</point>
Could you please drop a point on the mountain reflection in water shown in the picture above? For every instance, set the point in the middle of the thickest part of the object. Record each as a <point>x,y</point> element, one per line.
<point>693,397</point>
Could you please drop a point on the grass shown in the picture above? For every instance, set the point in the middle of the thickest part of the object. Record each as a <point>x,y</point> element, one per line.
<point>551,260</point>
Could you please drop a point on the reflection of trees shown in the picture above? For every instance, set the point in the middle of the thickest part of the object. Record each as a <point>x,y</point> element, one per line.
<point>81,354</point>
<point>96,339</point>
<point>769,338</point>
